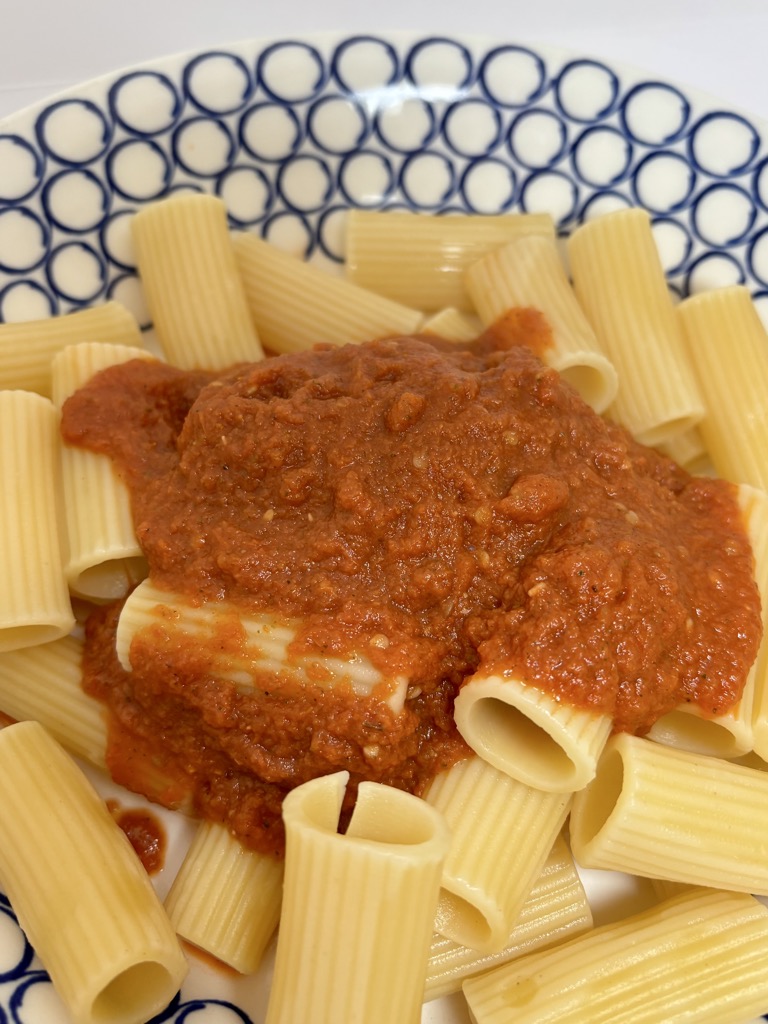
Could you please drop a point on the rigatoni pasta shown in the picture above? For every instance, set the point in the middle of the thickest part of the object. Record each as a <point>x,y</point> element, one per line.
<point>501,834</point>
<point>620,284</point>
<point>342,952</point>
<point>104,559</point>
<point>699,956</point>
<point>530,272</point>
<point>26,349</point>
<point>296,305</point>
<point>556,909</point>
<point>246,648</point>
<point>726,343</point>
<point>116,959</point>
<point>43,684</point>
<point>226,898</point>
<point>530,735</point>
<point>190,278</point>
<point>715,830</point>
<point>34,601</point>
<point>419,260</point>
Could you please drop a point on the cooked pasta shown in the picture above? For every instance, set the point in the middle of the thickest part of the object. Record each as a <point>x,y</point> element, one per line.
<point>530,735</point>
<point>26,349</point>
<point>530,272</point>
<point>116,959</point>
<point>294,304</point>
<point>715,830</point>
<point>556,909</point>
<point>727,344</point>
<point>699,956</point>
<point>191,282</point>
<point>34,600</point>
<point>501,834</point>
<point>225,898</point>
<point>104,559</point>
<point>620,284</point>
<point>342,951</point>
<point>419,260</point>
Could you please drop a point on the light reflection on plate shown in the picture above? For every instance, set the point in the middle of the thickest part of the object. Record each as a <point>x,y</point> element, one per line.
<point>292,132</point>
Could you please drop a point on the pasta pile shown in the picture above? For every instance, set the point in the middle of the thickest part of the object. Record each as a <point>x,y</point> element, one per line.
<point>475,885</point>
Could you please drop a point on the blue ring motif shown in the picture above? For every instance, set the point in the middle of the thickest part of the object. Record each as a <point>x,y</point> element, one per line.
<point>197,62</point>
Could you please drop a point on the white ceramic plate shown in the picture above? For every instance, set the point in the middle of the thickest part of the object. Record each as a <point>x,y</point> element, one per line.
<point>292,132</point>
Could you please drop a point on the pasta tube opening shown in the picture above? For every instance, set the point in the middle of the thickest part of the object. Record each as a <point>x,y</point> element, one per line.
<point>529,735</point>
<point>599,799</point>
<point>592,376</point>
<point>133,995</point>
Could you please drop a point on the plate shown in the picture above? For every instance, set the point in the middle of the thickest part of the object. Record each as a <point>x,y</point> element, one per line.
<point>292,132</point>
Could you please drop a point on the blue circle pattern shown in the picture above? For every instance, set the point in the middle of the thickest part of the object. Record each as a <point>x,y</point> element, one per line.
<point>548,120</point>
<point>294,79</point>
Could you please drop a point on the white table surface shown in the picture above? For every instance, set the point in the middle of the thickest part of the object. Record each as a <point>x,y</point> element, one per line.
<point>716,45</point>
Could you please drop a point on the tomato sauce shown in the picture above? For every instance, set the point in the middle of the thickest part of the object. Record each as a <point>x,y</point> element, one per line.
<point>145,834</point>
<point>442,509</point>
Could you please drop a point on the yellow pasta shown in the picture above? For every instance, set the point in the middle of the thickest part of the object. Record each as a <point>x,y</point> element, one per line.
<point>530,272</point>
<point>294,304</point>
<point>247,649</point>
<point>43,684</point>
<point>26,349</point>
<point>556,909</point>
<point>342,952</point>
<point>620,284</point>
<point>104,559</point>
<point>715,830</point>
<point>419,259</point>
<point>190,278</point>
<point>700,956</point>
<point>501,834</point>
<point>34,602</point>
<point>226,898</point>
<point>529,734</point>
<point>453,325</point>
<point>727,343</point>
<point>79,890</point>
<point>689,451</point>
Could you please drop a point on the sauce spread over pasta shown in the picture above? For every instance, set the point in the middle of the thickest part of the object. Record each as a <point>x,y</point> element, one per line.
<point>436,508</point>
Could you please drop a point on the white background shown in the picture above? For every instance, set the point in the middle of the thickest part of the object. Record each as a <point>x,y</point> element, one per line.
<point>719,46</point>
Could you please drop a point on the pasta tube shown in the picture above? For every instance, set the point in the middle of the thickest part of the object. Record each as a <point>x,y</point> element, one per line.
<point>452,325</point>
<point>420,259</point>
<point>34,602</point>
<point>528,734</point>
<point>247,648</point>
<point>727,343</point>
<point>715,830</point>
<point>43,684</point>
<point>731,734</point>
<point>226,898</point>
<point>295,305</point>
<point>26,349</point>
<point>555,909</point>
<point>193,290</point>
<point>342,951</point>
<point>501,834</point>
<point>104,558</point>
<point>699,956</point>
<point>620,283</point>
<point>78,889</point>
<point>530,272</point>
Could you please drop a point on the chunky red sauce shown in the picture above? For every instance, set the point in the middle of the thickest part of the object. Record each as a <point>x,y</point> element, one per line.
<point>145,834</point>
<point>441,509</point>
